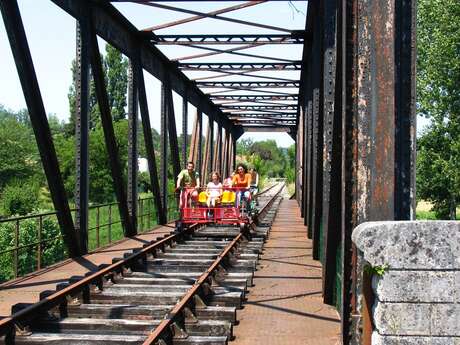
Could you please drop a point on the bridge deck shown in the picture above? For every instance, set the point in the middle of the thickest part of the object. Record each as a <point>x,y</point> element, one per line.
<point>285,305</point>
<point>27,289</point>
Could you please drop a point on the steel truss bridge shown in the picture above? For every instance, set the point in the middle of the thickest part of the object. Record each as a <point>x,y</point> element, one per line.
<point>350,108</point>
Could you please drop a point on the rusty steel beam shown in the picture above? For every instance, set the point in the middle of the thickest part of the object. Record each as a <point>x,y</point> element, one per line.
<point>248,84</point>
<point>206,160</point>
<point>148,140</point>
<point>164,150</point>
<point>383,89</point>
<point>249,98</point>
<point>184,129</point>
<point>211,144</point>
<point>215,16</point>
<point>227,153</point>
<point>296,37</point>
<point>82,82</point>
<point>332,149</point>
<point>133,122</point>
<point>260,107</point>
<point>280,116</point>
<point>253,102</point>
<point>215,153</point>
<point>26,72</point>
<point>219,147</point>
<point>172,133</point>
<point>232,89</point>
<point>193,153</point>
<point>405,103</point>
<point>197,16</point>
<point>317,114</point>
<point>309,177</point>
<point>241,66</point>
<point>109,135</point>
<point>349,171</point>
<point>199,160</point>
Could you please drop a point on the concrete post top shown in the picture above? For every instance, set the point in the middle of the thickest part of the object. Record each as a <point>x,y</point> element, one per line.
<point>428,245</point>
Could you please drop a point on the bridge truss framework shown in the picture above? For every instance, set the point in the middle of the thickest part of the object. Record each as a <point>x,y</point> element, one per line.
<point>351,113</point>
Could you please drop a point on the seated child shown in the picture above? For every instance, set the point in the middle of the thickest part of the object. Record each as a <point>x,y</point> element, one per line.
<point>228,182</point>
<point>213,190</point>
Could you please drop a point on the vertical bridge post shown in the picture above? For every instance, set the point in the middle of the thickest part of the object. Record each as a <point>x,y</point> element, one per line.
<point>82,80</point>
<point>132,144</point>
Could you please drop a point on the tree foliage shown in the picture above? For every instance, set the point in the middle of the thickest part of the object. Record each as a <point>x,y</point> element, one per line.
<point>115,68</point>
<point>18,158</point>
<point>438,83</point>
<point>267,158</point>
<point>116,74</point>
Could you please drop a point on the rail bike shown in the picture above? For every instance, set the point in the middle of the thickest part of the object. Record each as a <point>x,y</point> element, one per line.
<point>235,205</point>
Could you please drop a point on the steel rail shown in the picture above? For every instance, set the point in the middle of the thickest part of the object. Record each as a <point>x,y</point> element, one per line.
<point>8,324</point>
<point>175,313</point>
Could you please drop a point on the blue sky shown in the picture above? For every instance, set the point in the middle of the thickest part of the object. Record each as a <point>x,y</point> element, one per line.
<point>51,36</point>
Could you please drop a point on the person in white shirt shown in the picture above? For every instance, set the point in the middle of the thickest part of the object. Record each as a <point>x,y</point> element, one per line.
<point>214,190</point>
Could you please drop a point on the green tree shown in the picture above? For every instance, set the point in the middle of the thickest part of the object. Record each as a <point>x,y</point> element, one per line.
<point>116,71</point>
<point>438,167</point>
<point>100,176</point>
<point>438,80</point>
<point>19,197</point>
<point>18,152</point>
<point>116,77</point>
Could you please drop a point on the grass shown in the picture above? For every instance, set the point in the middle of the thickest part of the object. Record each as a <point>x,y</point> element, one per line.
<point>424,212</point>
<point>108,227</point>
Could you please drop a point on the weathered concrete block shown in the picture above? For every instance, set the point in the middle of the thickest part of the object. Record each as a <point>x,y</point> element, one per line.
<point>425,245</point>
<point>402,318</point>
<point>445,319</point>
<point>417,286</point>
<point>378,339</point>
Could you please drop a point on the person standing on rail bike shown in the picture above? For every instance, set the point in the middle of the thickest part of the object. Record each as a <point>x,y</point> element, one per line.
<point>188,181</point>
<point>241,180</point>
<point>254,184</point>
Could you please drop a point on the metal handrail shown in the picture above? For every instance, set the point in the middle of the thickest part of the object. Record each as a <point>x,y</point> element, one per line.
<point>145,206</point>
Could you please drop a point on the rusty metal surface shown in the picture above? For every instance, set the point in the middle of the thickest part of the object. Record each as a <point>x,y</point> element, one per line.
<point>285,305</point>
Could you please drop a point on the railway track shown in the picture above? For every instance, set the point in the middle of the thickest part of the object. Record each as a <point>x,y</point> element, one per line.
<point>183,289</point>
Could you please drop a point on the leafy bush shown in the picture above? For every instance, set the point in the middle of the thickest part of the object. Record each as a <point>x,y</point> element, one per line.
<point>19,198</point>
<point>52,251</point>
